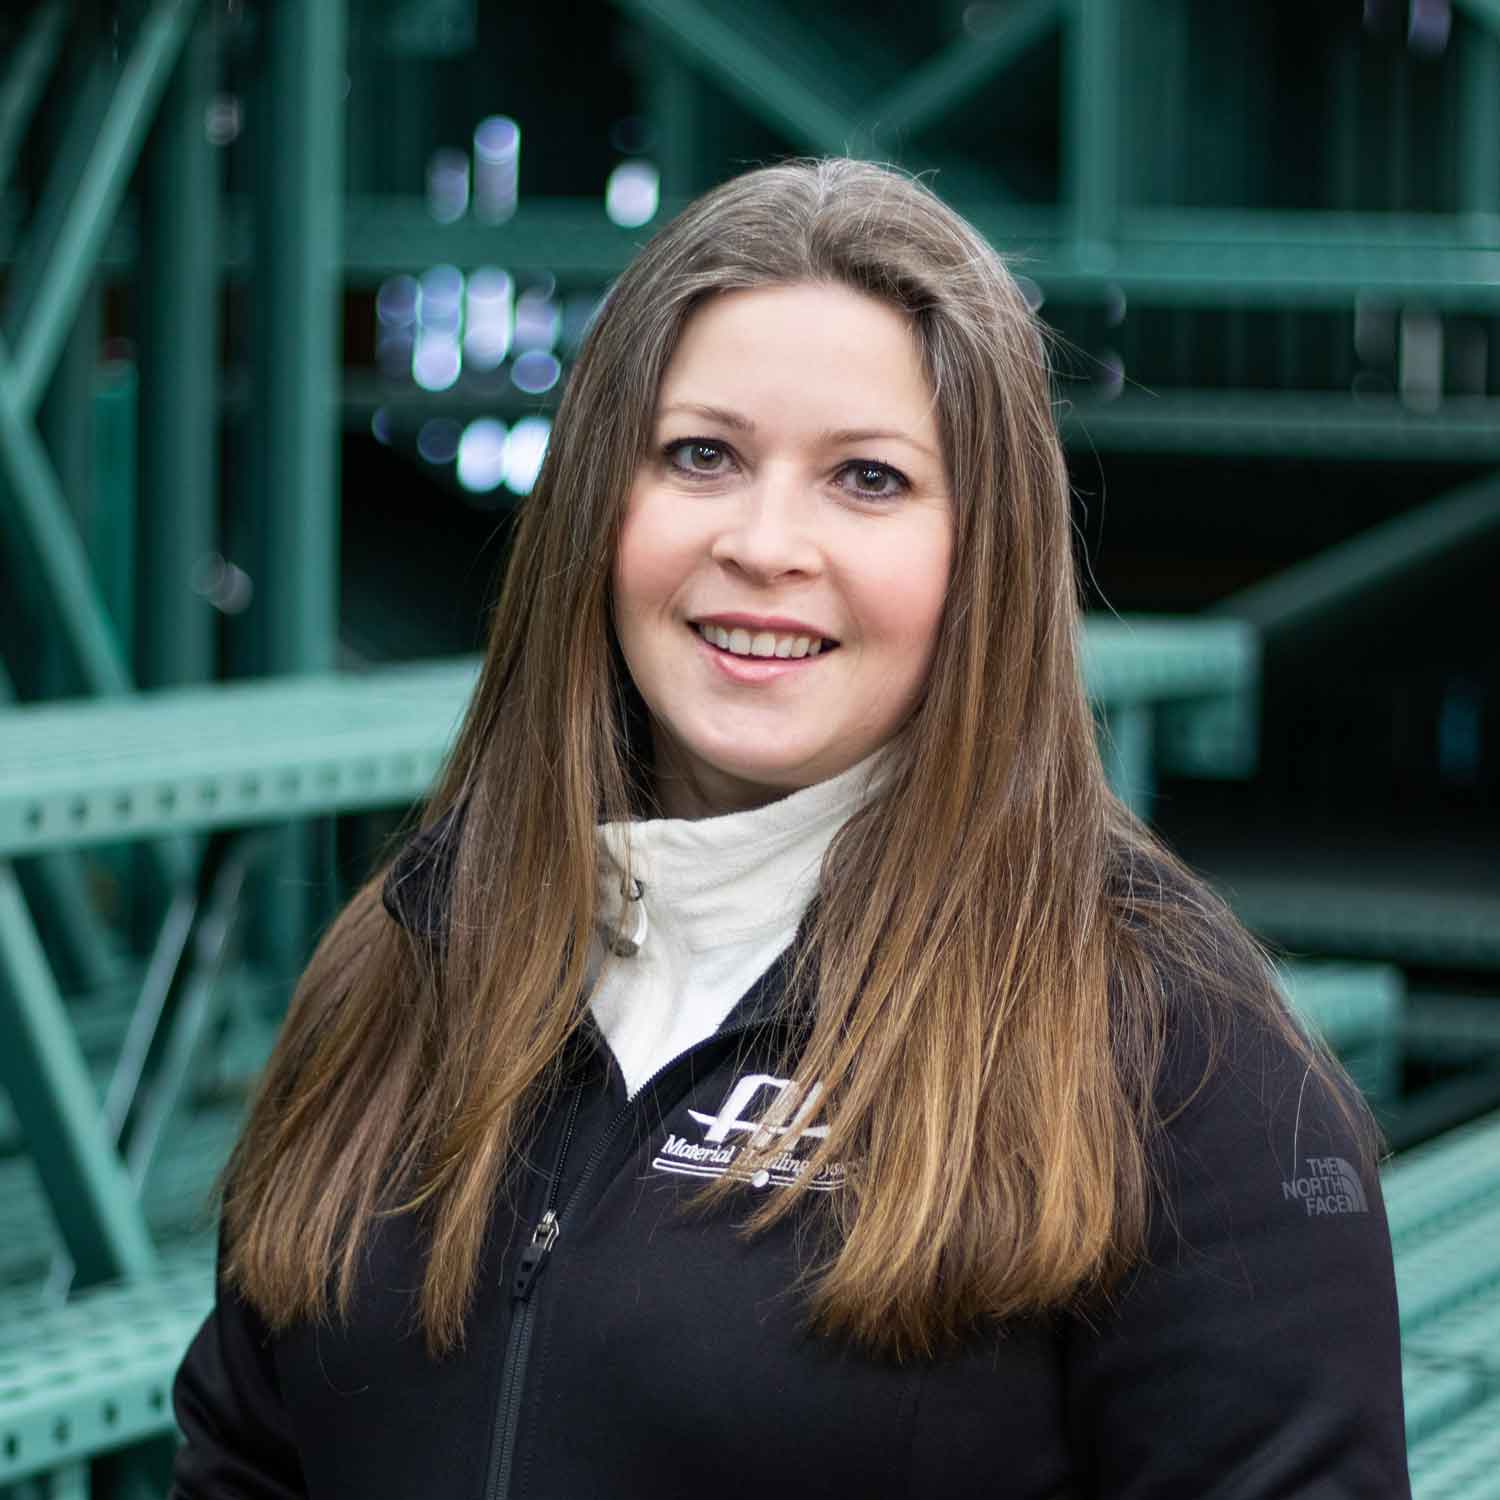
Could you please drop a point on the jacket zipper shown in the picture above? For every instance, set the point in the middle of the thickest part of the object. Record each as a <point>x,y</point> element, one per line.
<point>533,1262</point>
<point>518,1348</point>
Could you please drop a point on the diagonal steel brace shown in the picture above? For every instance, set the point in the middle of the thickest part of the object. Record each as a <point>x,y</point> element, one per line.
<point>80,237</point>
<point>30,63</point>
<point>758,81</point>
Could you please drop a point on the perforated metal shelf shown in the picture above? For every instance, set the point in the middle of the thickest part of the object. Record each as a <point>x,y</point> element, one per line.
<point>1450,927</point>
<point>92,771</point>
<point>1469,1331</point>
<point>1145,659</point>
<point>1347,1003</point>
<point>1460,1461</point>
<point>95,1374</point>
<point>1437,1393</point>
<point>1447,1179</point>
<point>1440,1271</point>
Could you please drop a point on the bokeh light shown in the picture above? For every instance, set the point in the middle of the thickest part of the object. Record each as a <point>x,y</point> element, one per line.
<point>525,449</point>
<point>497,168</point>
<point>481,455</point>
<point>633,194</point>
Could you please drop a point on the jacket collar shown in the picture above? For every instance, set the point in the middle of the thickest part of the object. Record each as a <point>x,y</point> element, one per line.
<point>419,883</point>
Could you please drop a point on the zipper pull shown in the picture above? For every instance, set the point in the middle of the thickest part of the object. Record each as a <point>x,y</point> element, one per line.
<point>543,1237</point>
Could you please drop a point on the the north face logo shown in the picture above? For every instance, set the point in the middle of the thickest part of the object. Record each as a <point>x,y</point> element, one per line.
<point>1331,1186</point>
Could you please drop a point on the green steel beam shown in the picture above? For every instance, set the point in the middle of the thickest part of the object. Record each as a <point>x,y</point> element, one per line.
<point>426,28</point>
<point>297,367</point>
<point>56,886</point>
<point>1091,125</point>
<point>1479,106</point>
<point>1207,274</point>
<point>52,1093</point>
<point>80,236</point>
<point>298,274</point>
<point>1281,424</point>
<point>55,552</point>
<point>673,94</point>
<point>179,354</point>
<point>1268,229</point>
<point>570,238</point>
<point>1324,586</point>
<point>947,81</point>
<point>58,881</point>
<point>65,424</point>
<point>1176,258</point>
<point>763,83</point>
<point>1400,922</point>
<point>26,77</point>
<point>1127,743</point>
<point>71,138</point>
<point>1486,12</point>
<point>233,754</point>
<point>113,526</point>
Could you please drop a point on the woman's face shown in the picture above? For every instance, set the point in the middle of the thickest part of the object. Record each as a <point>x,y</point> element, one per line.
<point>786,545</point>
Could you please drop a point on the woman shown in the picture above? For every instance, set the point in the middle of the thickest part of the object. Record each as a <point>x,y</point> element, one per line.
<point>780,1062</point>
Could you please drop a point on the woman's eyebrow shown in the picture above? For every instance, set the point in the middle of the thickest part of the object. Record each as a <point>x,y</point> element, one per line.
<point>866,434</point>
<point>835,438</point>
<point>719,414</point>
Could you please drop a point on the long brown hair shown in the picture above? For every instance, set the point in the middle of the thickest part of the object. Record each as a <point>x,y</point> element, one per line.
<point>995,937</point>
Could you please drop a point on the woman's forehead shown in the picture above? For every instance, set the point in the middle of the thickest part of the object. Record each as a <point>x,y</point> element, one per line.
<point>815,357</point>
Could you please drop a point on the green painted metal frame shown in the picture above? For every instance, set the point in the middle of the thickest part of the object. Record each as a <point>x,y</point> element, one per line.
<point>297,360</point>
<point>53,1096</point>
<point>1091,130</point>
<point>74,248</point>
<point>944,83</point>
<point>179,360</point>
<point>763,83</point>
<point>1184,258</point>
<point>768,76</point>
<point>1284,424</point>
<point>40,521</point>
<point>62,252</point>
<point>96,1374</point>
<point>1479,95</point>
<point>26,74</point>
<point>43,1069</point>
<point>1187,258</point>
<point>1327,584</point>
<point>256,752</point>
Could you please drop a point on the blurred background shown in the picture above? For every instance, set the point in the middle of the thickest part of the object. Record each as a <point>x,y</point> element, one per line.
<point>289,290</point>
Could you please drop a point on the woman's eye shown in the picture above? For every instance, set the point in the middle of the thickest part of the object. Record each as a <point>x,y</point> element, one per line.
<point>873,481</point>
<point>697,457</point>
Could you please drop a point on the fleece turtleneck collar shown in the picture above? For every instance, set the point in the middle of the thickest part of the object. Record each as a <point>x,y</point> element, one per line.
<point>719,899</point>
<point>731,877</point>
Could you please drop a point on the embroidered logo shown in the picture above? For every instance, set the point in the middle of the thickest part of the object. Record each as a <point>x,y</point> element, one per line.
<point>1331,1186</point>
<point>726,1133</point>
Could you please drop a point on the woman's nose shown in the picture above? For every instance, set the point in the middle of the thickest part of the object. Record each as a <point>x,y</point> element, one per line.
<point>769,533</point>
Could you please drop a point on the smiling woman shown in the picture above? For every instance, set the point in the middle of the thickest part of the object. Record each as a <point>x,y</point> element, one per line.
<point>779,1062</point>
<point>785,549</point>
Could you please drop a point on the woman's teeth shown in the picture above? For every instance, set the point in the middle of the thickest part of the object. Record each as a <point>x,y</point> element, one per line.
<point>740,642</point>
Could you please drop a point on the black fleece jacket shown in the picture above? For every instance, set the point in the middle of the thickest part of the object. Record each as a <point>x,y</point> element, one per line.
<point>619,1347</point>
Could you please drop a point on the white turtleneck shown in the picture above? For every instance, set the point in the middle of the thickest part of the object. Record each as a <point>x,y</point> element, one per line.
<point>722,898</point>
